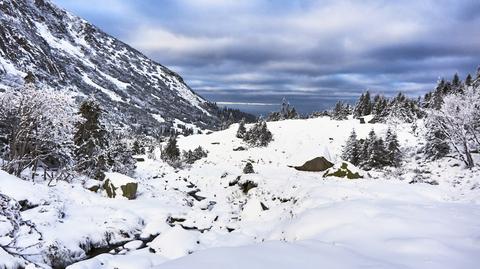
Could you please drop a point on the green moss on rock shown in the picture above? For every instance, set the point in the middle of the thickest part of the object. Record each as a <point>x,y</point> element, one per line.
<point>129,190</point>
<point>343,171</point>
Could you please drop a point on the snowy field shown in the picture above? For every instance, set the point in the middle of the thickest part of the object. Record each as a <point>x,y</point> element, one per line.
<point>199,217</point>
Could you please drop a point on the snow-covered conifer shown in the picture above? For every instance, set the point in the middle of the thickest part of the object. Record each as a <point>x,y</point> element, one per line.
<point>241,129</point>
<point>171,153</point>
<point>392,146</point>
<point>351,149</point>
<point>91,141</point>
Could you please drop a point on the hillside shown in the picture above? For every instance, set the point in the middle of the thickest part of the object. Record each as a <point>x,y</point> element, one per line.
<point>290,219</point>
<point>65,52</point>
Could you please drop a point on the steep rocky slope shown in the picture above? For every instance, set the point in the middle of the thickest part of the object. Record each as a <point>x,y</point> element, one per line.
<point>66,52</point>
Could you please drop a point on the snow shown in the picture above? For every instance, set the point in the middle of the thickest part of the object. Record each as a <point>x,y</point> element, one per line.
<point>9,68</point>
<point>57,43</point>
<point>158,117</point>
<point>118,179</point>
<point>185,92</point>
<point>109,93</point>
<point>379,221</point>
<point>121,85</point>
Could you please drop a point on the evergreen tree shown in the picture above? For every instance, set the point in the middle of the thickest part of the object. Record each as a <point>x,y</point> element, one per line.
<point>171,153</point>
<point>248,169</point>
<point>456,85</point>
<point>91,141</point>
<point>358,110</point>
<point>351,149</point>
<point>367,107</point>
<point>341,111</point>
<point>373,152</point>
<point>192,156</point>
<point>393,148</point>
<point>258,135</point>
<point>468,80</point>
<point>364,105</point>
<point>436,143</point>
<point>241,129</point>
<point>119,156</point>
<point>437,96</point>
<point>286,112</point>
<point>138,147</point>
<point>377,155</point>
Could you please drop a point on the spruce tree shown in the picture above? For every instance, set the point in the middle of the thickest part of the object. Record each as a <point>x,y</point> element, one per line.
<point>358,110</point>
<point>91,141</point>
<point>436,143</point>
<point>341,111</point>
<point>393,148</point>
<point>468,80</point>
<point>171,152</point>
<point>241,129</point>
<point>120,156</point>
<point>258,135</point>
<point>377,155</point>
<point>351,149</point>
<point>367,106</point>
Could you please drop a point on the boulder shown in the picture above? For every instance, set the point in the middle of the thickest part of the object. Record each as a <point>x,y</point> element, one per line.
<point>344,170</point>
<point>315,165</point>
<point>118,184</point>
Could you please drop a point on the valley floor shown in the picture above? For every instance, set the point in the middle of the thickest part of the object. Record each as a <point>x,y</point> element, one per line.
<point>199,217</point>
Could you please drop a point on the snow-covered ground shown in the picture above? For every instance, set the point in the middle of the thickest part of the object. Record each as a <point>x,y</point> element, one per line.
<point>199,217</point>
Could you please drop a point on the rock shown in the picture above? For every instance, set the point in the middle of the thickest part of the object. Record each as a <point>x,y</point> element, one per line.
<point>344,170</point>
<point>116,183</point>
<point>315,165</point>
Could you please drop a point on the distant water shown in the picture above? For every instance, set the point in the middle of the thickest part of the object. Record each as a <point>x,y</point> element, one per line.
<point>263,107</point>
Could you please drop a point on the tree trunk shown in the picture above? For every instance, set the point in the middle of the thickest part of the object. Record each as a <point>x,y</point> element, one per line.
<point>468,155</point>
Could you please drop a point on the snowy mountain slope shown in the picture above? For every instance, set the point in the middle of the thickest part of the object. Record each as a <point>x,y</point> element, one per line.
<point>292,219</point>
<point>66,52</point>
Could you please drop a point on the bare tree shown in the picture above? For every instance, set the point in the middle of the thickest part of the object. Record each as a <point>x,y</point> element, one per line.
<point>38,126</point>
<point>459,121</point>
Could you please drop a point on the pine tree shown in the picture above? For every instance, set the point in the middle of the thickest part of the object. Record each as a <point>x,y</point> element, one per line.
<point>91,141</point>
<point>436,144</point>
<point>351,149</point>
<point>171,153</point>
<point>119,156</point>
<point>341,111</point>
<point>358,110</point>
<point>137,147</point>
<point>437,96</point>
<point>367,107</point>
<point>456,85</point>
<point>258,135</point>
<point>241,129</point>
<point>378,153</point>
<point>364,105</point>
<point>468,80</point>
<point>248,169</point>
<point>393,148</point>
<point>373,152</point>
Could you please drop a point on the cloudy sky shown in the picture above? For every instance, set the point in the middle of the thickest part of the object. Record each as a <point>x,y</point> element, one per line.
<point>258,50</point>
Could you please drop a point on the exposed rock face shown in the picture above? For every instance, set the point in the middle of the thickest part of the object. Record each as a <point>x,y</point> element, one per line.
<point>68,53</point>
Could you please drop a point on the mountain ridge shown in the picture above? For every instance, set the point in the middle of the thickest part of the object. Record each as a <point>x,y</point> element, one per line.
<point>64,51</point>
